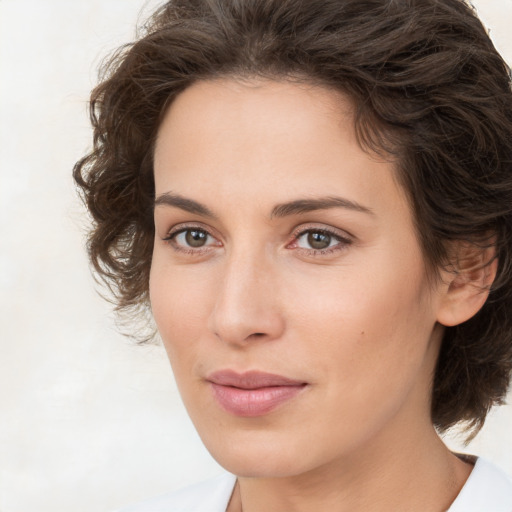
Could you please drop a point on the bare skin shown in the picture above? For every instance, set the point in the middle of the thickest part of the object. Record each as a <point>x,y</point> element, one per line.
<point>282,247</point>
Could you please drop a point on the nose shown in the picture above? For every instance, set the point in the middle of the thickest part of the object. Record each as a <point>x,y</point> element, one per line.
<point>247,306</point>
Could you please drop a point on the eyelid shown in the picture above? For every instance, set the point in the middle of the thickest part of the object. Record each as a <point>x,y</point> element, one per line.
<point>345,239</point>
<point>184,226</point>
<point>174,231</point>
<point>338,233</point>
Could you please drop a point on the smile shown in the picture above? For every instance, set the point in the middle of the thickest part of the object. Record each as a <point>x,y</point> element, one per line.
<point>252,393</point>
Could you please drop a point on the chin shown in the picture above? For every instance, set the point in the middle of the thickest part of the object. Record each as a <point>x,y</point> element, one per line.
<point>261,454</point>
<point>256,466</point>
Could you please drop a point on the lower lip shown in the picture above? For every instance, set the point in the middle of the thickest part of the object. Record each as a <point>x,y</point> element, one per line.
<point>253,402</point>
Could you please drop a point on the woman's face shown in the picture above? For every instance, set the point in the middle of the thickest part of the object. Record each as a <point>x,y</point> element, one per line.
<point>287,282</point>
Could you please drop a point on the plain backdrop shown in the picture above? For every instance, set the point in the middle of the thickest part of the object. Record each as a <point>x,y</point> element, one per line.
<point>89,421</point>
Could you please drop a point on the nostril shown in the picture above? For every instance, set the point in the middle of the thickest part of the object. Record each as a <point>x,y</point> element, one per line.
<point>256,335</point>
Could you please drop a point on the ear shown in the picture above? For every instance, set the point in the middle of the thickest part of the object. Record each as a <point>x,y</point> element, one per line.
<point>468,280</point>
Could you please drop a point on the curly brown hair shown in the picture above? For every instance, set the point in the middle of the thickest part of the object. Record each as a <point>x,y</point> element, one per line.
<point>428,86</point>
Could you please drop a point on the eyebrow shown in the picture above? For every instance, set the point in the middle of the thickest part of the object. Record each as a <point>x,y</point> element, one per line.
<point>296,207</point>
<point>322,203</point>
<point>188,205</point>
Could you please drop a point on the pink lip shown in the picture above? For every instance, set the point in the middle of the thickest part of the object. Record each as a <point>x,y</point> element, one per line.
<point>252,393</point>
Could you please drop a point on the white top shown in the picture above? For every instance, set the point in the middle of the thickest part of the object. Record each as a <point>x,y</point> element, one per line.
<point>488,489</point>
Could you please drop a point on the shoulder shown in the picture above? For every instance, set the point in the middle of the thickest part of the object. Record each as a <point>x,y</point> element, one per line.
<point>209,496</point>
<point>487,489</point>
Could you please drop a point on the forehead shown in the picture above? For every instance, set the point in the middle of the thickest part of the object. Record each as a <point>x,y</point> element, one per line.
<point>254,102</point>
<point>275,138</point>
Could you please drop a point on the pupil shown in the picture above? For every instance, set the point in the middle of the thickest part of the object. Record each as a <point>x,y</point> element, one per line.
<point>319,240</point>
<point>195,238</point>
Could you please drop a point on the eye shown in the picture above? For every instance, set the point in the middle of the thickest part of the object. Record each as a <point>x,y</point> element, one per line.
<point>190,239</point>
<point>316,241</point>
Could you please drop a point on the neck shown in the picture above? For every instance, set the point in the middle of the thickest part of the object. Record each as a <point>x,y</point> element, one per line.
<point>423,475</point>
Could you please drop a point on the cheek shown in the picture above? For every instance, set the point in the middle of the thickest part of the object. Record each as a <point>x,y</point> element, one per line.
<point>180,301</point>
<point>372,326</point>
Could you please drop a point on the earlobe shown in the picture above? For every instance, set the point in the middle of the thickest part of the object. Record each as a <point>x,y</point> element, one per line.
<point>468,281</point>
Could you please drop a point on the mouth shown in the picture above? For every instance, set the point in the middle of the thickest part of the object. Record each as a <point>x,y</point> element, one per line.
<point>252,393</point>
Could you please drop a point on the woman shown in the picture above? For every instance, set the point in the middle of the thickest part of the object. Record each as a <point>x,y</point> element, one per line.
<point>314,199</point>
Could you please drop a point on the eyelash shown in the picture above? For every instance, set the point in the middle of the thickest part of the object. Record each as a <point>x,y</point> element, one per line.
<point>342,241</point>
<point>171,239</point>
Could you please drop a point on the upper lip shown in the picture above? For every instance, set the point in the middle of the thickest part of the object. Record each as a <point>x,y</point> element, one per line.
<point>251,379</point>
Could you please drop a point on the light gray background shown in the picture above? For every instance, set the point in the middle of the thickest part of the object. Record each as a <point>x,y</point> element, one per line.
<point>87,420</point>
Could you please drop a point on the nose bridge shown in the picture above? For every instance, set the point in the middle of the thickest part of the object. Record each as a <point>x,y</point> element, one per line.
<point>246,301</point>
